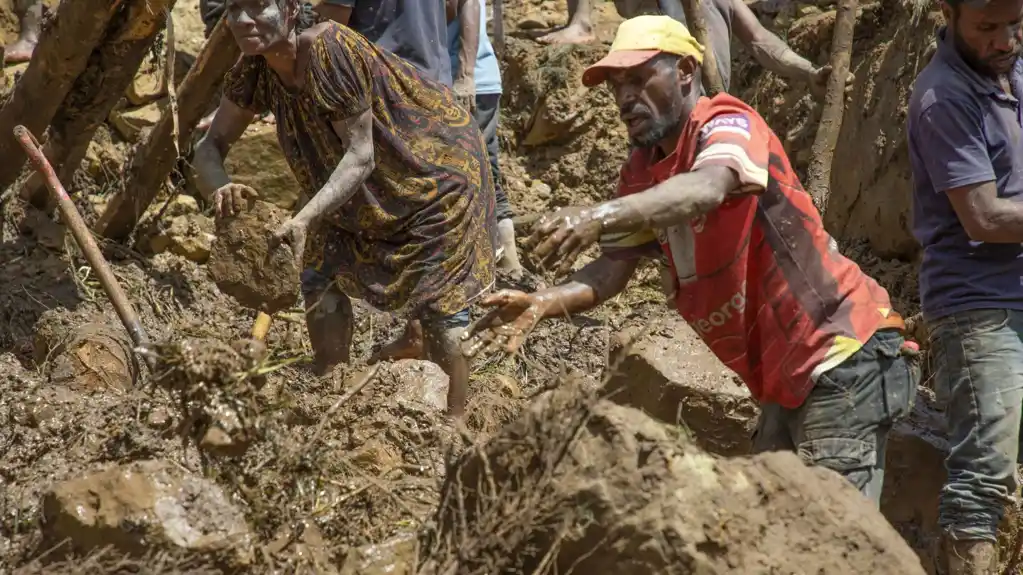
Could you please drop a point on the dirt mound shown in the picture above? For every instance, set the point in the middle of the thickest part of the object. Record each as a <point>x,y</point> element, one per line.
<point>567,141</point>
<point>870,190</point>
<point>245,265</point>
<point>581,484</point>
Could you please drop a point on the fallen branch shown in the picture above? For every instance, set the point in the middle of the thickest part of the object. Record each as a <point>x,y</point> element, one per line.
<point>712,82</point>
<point>823,151</point>
<point>67,41</point>
<point>157,154</point>
<point>111,69</point>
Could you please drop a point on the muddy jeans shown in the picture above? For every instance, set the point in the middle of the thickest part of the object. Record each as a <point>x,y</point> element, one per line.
<point>844,423</point>
<point>978,376</point>
<point>488,109</point>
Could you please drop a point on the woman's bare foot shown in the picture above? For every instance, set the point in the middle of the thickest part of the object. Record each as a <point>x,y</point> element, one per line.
<point>571,34</point>
<point>20,51</point>
<point>408,346</point>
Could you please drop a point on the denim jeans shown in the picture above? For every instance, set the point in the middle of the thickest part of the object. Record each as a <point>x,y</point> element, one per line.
<point>488,110</point>
<point>843,424</point>
<point>978,375</point>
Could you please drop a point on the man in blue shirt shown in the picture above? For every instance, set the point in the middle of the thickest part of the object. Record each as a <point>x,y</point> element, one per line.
<point>477,70</point>
<point>967,161</point>
<point>416,30</point>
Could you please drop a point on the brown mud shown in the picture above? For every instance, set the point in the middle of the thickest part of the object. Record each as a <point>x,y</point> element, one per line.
<point>246,265</point>
<point>341,471</point>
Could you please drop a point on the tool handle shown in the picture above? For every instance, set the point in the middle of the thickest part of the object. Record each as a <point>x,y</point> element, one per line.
<point>261,326</point>
<point>83,237</point>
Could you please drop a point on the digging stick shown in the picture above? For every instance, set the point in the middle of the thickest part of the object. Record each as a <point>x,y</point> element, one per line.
<point>823,151</point>
<point>712,83</point>
<point>83,237</point>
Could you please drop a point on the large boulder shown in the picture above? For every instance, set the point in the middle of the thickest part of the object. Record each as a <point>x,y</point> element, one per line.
<point>142,507</point>
<point>585,485</point>
<point>673,377</point>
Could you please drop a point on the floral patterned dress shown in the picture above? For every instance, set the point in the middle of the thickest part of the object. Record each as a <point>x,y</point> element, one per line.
<point>417,238</point>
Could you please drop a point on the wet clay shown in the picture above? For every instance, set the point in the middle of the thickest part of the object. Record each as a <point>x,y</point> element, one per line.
<point>245,265</point>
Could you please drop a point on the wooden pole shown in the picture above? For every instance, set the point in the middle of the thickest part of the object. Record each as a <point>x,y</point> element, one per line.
<point>67,40</point>
<point>111,69</point>
<point>157,154</point>
<point>823,151</point>
<point>712,83</point>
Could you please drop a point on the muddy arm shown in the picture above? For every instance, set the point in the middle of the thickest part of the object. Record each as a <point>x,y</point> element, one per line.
<point>469,32</point>
<point>770,51</point>
<point>672,202</point>
<point>228,125</point>
<point>353,170</point>
<point>599,281</point>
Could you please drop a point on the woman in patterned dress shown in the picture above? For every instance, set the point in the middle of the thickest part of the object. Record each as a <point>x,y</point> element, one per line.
<point>401,202</point>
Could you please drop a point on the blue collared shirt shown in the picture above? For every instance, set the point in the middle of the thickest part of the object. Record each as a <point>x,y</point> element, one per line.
<point>963,129</point>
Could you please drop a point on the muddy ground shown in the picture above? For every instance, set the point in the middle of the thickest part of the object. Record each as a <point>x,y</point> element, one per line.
<point>331,470</point>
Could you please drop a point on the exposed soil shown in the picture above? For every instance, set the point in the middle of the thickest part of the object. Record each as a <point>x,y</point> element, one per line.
<point>319,466</point>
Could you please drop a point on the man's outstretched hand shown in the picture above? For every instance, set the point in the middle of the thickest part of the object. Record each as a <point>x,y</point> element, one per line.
<point>513,316</point>
<point>560,238</point>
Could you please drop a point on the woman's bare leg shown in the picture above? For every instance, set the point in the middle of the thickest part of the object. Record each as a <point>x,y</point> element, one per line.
<point>408,346</point>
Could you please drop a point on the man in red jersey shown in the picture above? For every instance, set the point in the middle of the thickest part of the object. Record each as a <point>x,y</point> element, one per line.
<point>708,187</point>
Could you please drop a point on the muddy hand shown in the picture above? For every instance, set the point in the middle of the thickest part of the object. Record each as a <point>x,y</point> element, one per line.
<point>293,233</point>
<point>233,199</point>
<point>513,316</point>
<point>560,238</point>
<point>465,93</point>
<point>819,82</point>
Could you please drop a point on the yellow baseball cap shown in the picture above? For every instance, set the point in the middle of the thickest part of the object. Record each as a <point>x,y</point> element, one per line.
<point>641,38</point>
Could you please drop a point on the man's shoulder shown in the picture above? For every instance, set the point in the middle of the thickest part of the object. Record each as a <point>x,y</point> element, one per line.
<point>938,83</point>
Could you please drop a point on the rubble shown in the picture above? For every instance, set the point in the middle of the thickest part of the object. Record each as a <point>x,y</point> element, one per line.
<point>580,483</point>
<point>143,506</point>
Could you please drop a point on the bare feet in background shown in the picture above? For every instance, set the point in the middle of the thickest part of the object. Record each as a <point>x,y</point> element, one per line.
<point>30,15</point>
<point>571,34</point>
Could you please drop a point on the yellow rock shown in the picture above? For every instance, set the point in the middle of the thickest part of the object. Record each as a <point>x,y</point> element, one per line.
<point>132,123</point>
<point>256,160</point>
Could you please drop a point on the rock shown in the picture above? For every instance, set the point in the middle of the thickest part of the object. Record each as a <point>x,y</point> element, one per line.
<point>84,357</point>
<point>149,83</point>
<point>533,21</point>
<point>394,557</point>
<point>304,547</point>
<point>256,160</point>
<point>103,158</point>
<point>423,385</point>
<point>673,377</point>
<point>131,123</point>
<point>189,236</point>
<point>245,266</point>
<point>142,507</point>
<point>181,205</point>
<point>585,485</point>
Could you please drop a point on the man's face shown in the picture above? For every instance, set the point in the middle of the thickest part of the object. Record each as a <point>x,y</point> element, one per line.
<point>257,25</point>
<point>651,98</point>
<point>989,38</point>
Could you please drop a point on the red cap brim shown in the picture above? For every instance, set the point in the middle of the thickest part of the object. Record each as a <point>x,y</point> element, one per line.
<point>597,73</point>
